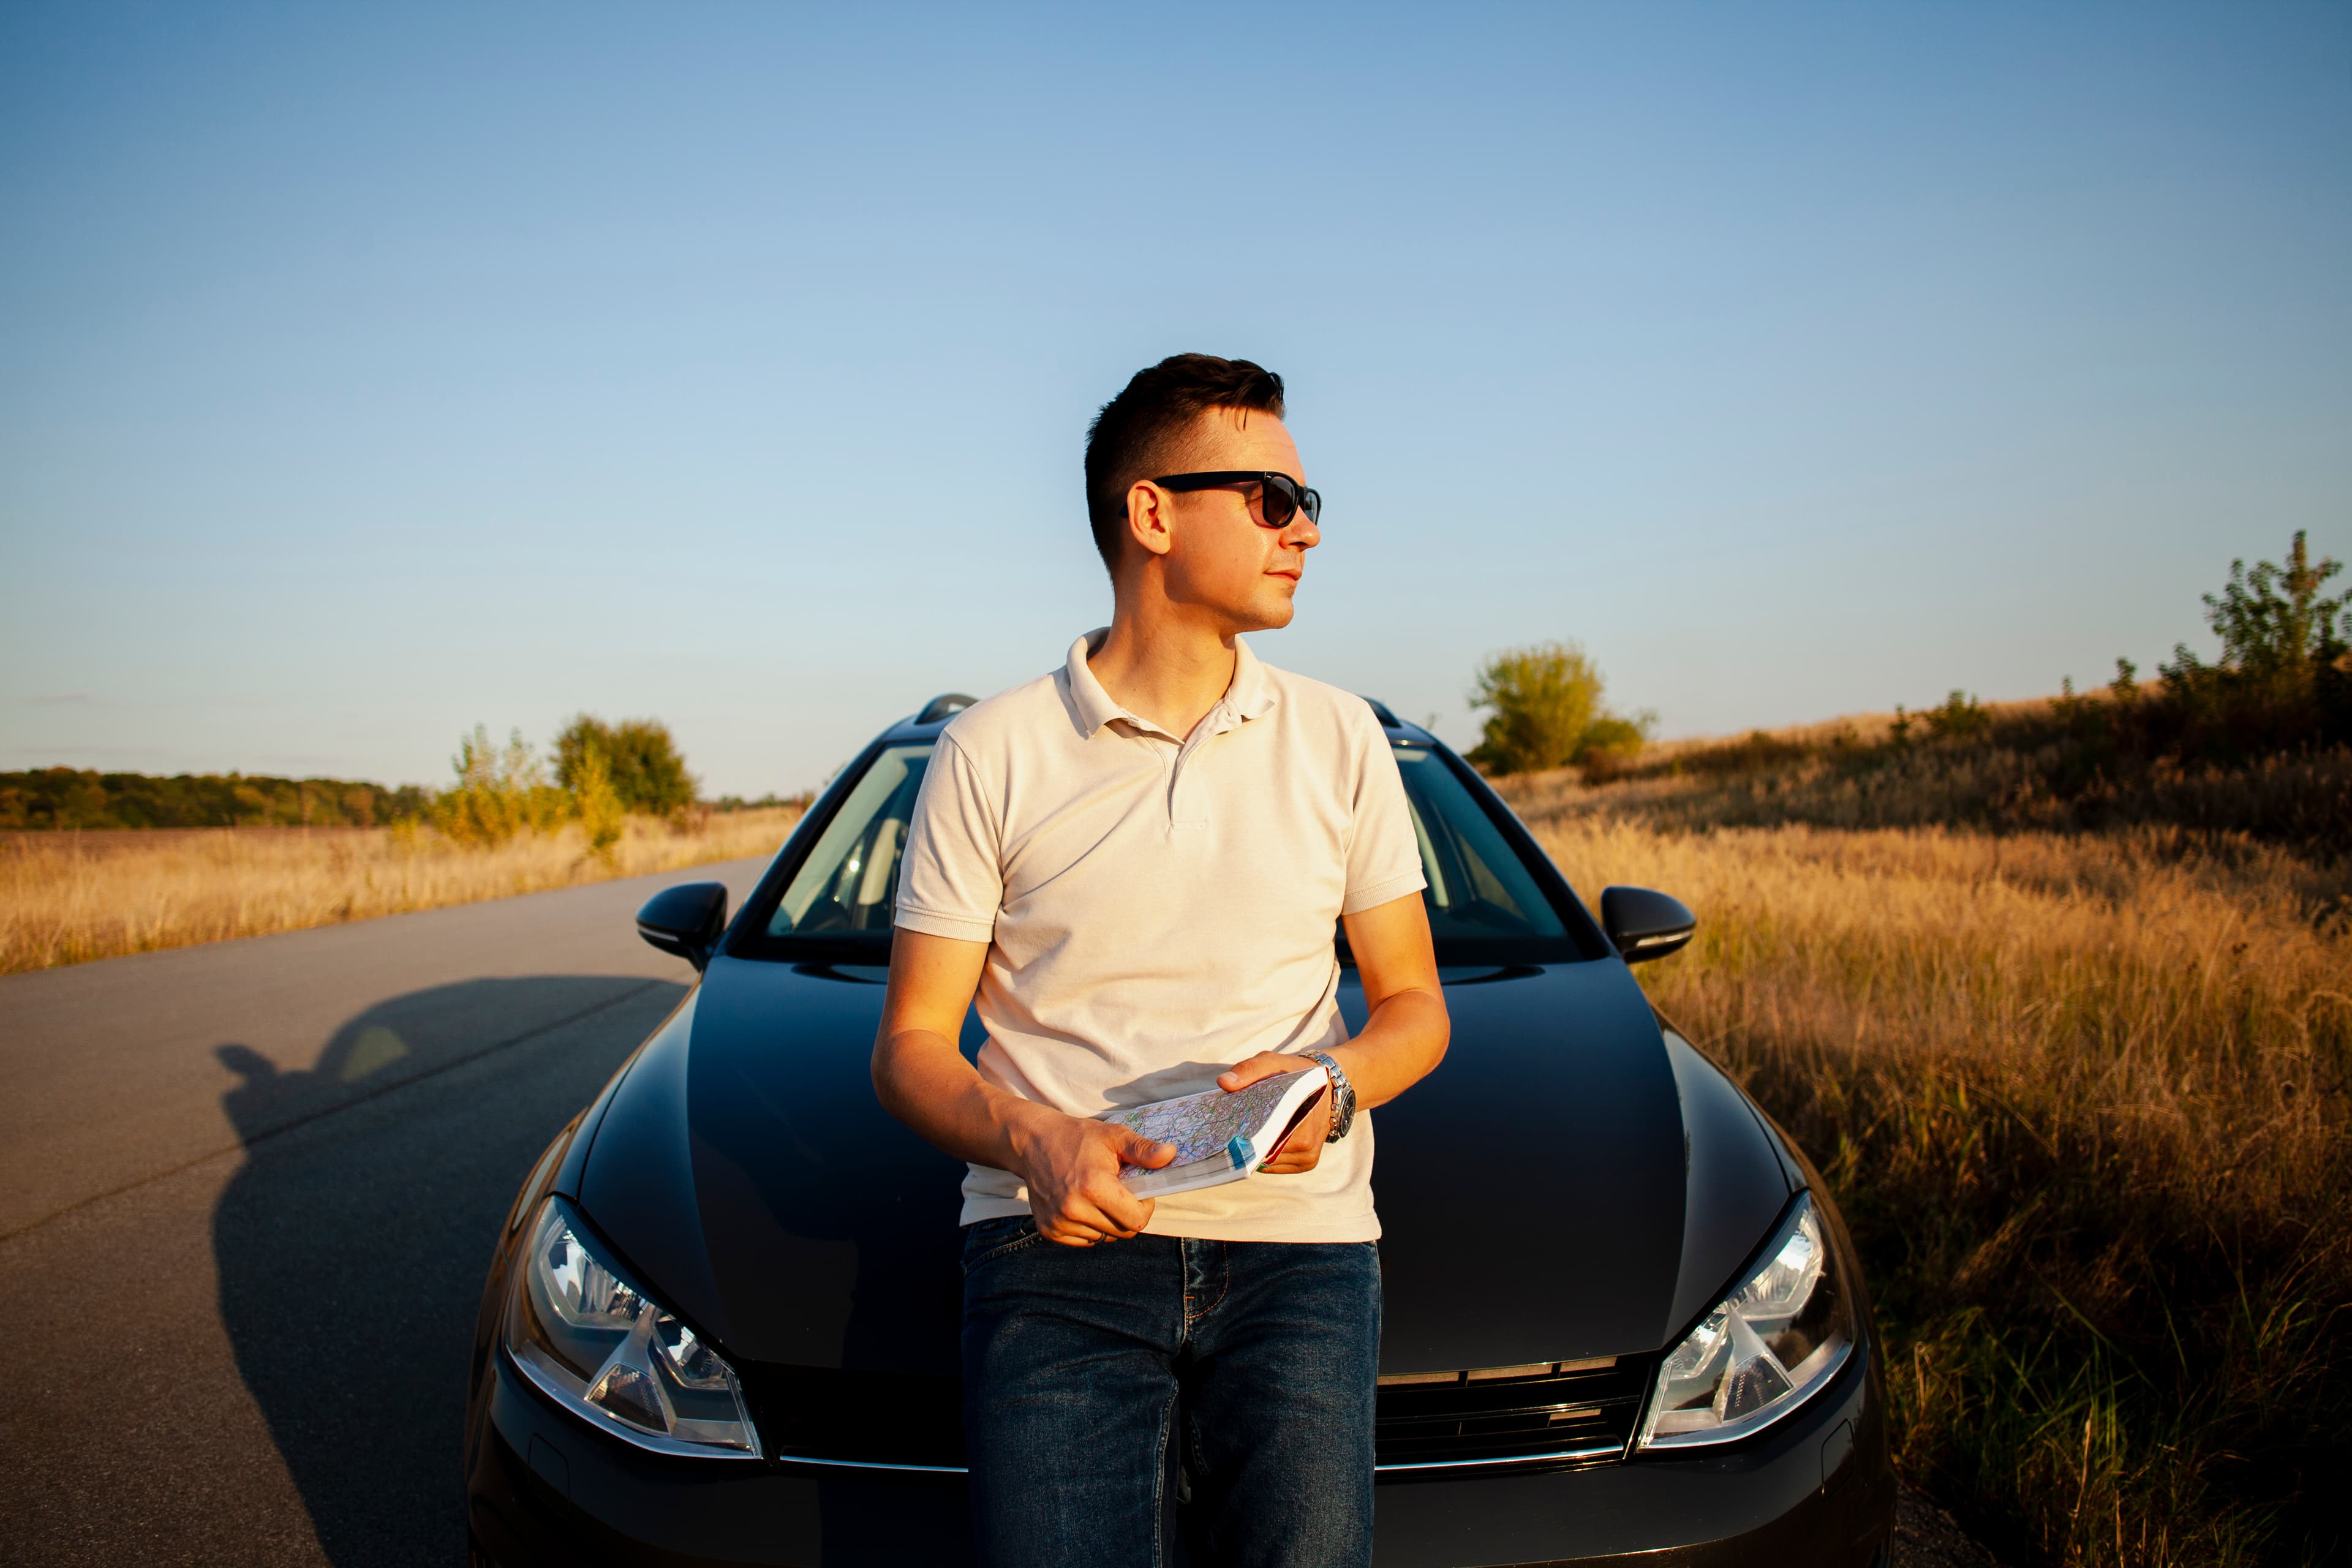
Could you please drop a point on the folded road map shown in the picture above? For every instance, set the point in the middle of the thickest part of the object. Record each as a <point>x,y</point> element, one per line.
<point>1219,1136</point>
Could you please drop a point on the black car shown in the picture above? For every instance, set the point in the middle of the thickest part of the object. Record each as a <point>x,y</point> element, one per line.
<point>1622,1317</point>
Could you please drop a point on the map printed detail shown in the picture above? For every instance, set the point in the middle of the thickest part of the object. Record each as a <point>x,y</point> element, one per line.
<point>1202,1127</point>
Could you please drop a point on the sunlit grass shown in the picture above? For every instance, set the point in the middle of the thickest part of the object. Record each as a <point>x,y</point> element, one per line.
<point>2084,1101</point>
<point>66,899</point>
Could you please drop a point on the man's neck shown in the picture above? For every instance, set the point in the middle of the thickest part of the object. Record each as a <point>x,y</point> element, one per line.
<point>1165,667</point>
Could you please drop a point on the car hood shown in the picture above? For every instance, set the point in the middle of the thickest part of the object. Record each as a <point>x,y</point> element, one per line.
<point>1532,1191</point>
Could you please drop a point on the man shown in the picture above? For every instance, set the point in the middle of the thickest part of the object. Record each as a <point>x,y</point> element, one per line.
<point>1136,862</point>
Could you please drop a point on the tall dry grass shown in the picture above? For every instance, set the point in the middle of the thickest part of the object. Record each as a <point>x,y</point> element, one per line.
<point>66,898</point>
<point>2084,1101</point>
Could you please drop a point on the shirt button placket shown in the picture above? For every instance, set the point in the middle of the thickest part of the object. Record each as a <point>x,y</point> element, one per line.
<point>1172,774</point>
<point>1178,818</point>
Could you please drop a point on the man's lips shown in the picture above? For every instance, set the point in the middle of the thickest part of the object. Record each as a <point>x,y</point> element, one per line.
<point>1291,572</point>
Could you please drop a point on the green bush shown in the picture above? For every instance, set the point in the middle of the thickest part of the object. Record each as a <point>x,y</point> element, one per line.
<point>500,791</point>
<point>599,804</point>
<point>1546,712</point>
<point>1959,717</point>
<point>647,773</point>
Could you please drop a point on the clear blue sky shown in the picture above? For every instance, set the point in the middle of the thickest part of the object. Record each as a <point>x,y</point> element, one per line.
<point>365,373</point>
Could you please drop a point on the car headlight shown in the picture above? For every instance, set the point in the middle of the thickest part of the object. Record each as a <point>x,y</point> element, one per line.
<point>1764,1349</point>
<point>604,1350</point>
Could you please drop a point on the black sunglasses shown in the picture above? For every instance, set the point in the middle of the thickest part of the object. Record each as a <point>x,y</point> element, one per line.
<point>1281,497</point>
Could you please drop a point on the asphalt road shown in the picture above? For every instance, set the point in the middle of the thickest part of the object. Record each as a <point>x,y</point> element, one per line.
<point>248,1191</point>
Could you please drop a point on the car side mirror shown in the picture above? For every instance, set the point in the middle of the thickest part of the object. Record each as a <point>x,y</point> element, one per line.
<point>686,921</point>
<point>1644,924</point>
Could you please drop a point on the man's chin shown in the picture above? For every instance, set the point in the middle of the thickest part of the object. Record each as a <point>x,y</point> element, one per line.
<point>1268,612</point>
<point>1273,616</point>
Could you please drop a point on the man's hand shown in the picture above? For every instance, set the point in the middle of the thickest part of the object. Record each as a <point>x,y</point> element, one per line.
<point>1071,1165</point>
<point>1303,1150</point>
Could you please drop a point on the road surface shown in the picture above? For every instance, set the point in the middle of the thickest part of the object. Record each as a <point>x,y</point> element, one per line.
<point>247,1193</point>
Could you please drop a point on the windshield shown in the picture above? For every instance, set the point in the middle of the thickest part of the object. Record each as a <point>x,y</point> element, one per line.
<point>1479,890</point>
<point>1485,905</point>
<point>850,880</point>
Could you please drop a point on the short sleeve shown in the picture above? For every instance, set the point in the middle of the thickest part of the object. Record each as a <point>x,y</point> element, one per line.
<point>950,883</point>
<point>1383,852</point>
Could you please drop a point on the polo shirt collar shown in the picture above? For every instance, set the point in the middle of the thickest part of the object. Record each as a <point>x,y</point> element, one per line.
<point>1094,704</point>
<point>1251,693</point>
<point>1249,697</point>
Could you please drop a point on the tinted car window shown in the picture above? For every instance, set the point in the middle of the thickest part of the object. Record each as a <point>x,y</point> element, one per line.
<point>850,880</point>
<point>1478,886</point>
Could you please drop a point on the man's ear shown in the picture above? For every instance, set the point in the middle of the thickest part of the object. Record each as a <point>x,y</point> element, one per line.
<point>1149,521</point>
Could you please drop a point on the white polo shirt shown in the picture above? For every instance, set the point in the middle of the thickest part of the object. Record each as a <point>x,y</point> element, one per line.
<point>1157,908</point>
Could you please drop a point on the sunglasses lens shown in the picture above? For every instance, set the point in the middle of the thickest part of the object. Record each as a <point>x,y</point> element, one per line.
<point>1277,503</point>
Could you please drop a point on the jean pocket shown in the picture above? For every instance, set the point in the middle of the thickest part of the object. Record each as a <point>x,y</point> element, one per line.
<point>989,1239</point>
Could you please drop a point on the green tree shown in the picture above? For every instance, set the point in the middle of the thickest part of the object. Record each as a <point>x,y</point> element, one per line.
<point>2284,679</point>
<point>647,771</point>
<point>2265,631</point>
<point>1546,712</point>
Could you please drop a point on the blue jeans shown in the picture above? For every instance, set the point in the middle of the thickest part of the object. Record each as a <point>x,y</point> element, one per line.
<point>1157,1400</point>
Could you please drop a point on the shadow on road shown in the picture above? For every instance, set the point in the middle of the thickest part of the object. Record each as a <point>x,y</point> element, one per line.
<point>350,1251</point>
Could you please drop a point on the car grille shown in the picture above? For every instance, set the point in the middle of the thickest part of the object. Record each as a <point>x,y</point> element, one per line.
<point>1543,1416</point>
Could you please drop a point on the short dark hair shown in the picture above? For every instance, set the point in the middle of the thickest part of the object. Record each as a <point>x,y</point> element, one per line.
<point>1138,432</point>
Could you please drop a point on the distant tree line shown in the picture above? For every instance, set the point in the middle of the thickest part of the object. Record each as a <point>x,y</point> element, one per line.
<point>771,801</point>
<point>602,774</point>
<point>50,798</point>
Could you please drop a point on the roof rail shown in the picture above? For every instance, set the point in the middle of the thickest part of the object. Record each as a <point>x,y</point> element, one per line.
<point>945,703</point>
<point>1380,712</point>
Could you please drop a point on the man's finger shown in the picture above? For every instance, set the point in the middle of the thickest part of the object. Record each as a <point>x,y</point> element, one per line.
<point>1136,1150</point>
<point>1109,1203</point>
<point>1055,1226</point>
<point>1083,1210</point>
<point>1295,1155</point>
<point>1079,1216</point>
<point>1242,1074</point>
<point>1303,1150</point>
<point>1263,1065</point>
<point>1313,1127</point>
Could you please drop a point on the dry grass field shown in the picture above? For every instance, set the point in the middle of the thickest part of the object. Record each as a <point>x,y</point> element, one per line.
<point>2084,1100</point>
<point>66,898</point>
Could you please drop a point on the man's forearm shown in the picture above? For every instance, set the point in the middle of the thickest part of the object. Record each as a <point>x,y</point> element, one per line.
<point>924,1081</point>
<point>1401,1043</point>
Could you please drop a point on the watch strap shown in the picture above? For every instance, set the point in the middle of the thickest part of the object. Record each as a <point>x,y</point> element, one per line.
<point>1343,1096</point>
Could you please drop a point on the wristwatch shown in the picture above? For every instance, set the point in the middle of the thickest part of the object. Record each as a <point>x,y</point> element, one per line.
<point>1343,1096</point>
